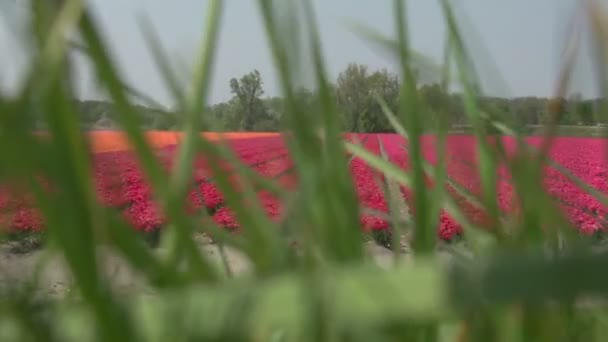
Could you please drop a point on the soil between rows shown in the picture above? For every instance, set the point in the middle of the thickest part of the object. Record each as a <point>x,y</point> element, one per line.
<point>25,263</point>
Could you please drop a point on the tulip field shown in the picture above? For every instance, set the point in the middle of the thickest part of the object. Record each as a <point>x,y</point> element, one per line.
<point>121,184</point>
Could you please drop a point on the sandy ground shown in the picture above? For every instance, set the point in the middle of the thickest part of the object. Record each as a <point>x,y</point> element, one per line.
<point>48,271</point>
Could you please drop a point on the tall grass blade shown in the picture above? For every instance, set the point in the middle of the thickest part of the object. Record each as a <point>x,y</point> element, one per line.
<point>424,236</point>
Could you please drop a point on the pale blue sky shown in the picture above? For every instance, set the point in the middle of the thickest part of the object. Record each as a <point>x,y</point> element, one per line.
<point>522,38</point>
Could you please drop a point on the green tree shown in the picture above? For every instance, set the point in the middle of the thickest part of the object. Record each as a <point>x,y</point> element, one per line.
<point>528,110</point>
<point>456,109</point>
<point>384,85</point>
<point>582,110</point>
<point>558,111</point>
<point>574,102</point>
<point>585,112</point>
<point>248,91</point>
<point>226,116</point>
<point>352,92</point>
<point>434,97</point>
<point>356,91</point>
<point>437,101</point>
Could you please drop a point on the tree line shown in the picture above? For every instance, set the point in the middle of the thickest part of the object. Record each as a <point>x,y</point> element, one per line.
<point>356,91</point>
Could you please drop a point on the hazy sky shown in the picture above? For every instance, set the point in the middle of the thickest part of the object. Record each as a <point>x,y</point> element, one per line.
<point>522,39</point>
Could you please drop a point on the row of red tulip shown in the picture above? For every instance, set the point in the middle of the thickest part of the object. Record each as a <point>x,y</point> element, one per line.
<point>121,184</point>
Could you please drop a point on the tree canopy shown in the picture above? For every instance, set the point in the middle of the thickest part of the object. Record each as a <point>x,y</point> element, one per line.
<point>356,92</point>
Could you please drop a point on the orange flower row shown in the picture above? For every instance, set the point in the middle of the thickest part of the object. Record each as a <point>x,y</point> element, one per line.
<point>110,141</point>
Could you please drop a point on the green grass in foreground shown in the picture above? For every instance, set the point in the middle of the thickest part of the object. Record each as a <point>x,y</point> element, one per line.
<point>521,284</point>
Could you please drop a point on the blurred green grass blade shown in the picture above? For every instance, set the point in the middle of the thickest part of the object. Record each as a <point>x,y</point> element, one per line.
<point>477,235</point>
<point>480,240</point>
<point>261,234</point>
<point>359,143</point>
<point>130,122</point>
<point>76,233</point>
<point>72,178</point>
<point>55,44</point>
<point>317,168</point>
<point>162,61</point>
<point>253,182</point>
<point>260,228</point>
<point>195,102</point>
<point>248,170</point>
<point>501,127</point>
<point>398,208</point>
<point>542,200</point>
<point>378,163</point>
<point>392,119</point>
<point>472,198</point>
<point>601,197</point>
<point>124,239</point>
<point>530,276</point>
<point>70,174</point>
<point>597,15</point>
<point>465,69</point>
<point>224,259</point>
<point>217,233</point>
<point>130,90</point>
<point>15,122</point>
<point>143,98</point>
<point>526,182</point>
<point>78,246</point>
<point>297,122</point>
<point>446,70</point>
<point>341,206</point>
<point>409,106</point>
<point>486,71</point>
<point>467,194</point>
<point>107,74</point>
<point>554,106</point>
<point>362,296</point>
<point>441,147</point>
<point>440,173</point>
<point>428,71</point>
<point>439,192</point>
<point>539,207</point>
<point>467,77</point>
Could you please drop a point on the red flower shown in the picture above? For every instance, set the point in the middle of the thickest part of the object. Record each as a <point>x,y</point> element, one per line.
<point>120,181</point>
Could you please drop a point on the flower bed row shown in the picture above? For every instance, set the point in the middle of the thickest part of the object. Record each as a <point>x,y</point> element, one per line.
<point>121,184</point>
